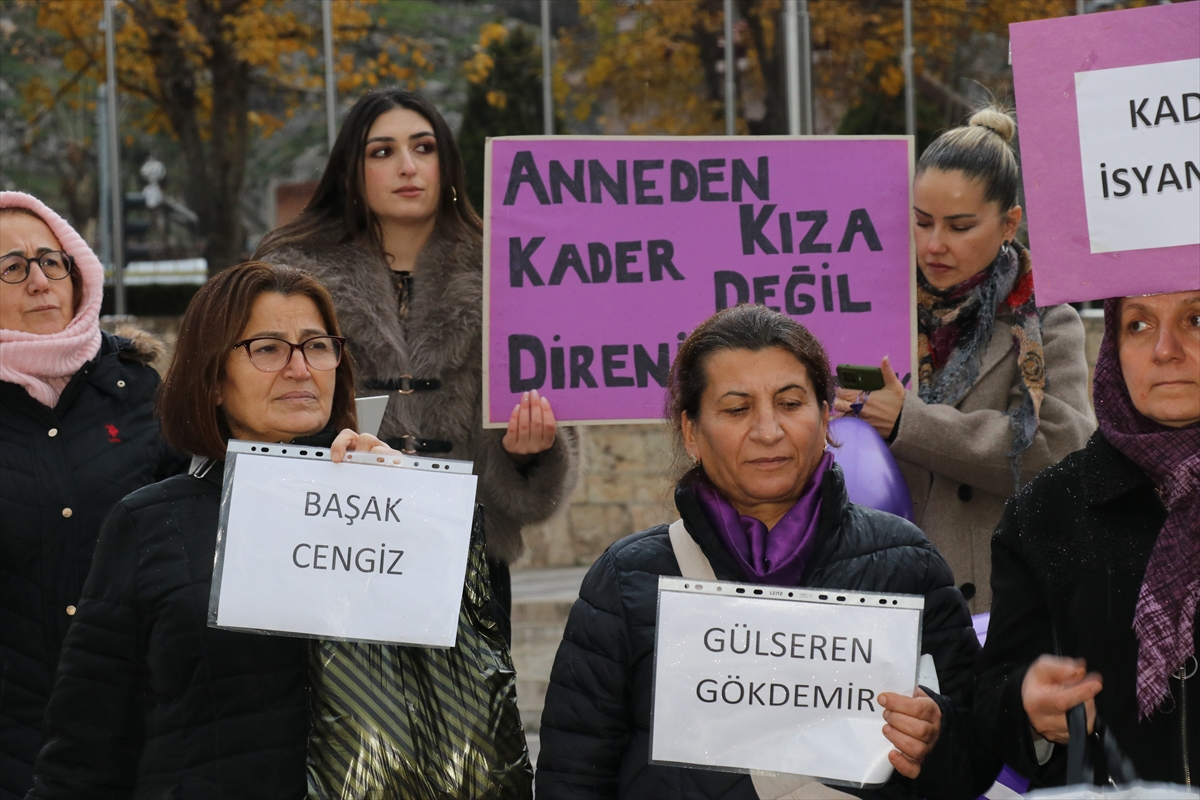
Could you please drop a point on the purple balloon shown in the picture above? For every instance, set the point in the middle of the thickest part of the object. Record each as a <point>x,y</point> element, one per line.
<point>872,477</point>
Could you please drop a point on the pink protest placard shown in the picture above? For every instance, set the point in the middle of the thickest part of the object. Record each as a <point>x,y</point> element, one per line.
<point>601,254</point>
<point>1109,110</point>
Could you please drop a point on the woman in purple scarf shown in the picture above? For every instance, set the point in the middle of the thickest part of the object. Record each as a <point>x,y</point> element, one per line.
<point>760,501</point>
<point>1096,566</point>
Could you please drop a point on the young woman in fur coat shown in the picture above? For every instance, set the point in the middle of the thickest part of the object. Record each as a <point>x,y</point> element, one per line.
<point>390,232</point>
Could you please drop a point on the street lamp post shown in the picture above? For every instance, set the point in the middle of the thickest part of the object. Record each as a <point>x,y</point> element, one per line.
<point>910,101</point>
<point>547,73</point>
<point>330,84</point>
<point>114,163</point>
<point>730,67</point>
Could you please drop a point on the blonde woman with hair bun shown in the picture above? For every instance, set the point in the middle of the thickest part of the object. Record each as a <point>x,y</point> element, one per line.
<point>1001,390</point>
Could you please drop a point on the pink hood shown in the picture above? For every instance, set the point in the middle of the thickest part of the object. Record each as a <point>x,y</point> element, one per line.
<point>43,363</point>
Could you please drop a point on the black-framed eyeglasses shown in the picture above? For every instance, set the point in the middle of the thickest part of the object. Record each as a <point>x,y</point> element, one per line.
<point>271,354</point>
<point>55,265</point>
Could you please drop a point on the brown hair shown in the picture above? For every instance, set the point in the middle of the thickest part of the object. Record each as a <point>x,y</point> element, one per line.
<point>75,276</point>
<point>743,327</point>
<point>187,401</point>
<point>981,150</point>
<point>338,212</point>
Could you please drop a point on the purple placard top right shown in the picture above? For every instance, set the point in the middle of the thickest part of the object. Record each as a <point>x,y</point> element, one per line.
<point>1109,112</point>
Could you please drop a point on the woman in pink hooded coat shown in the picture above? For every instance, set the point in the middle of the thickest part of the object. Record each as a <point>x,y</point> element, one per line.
<point>77,433</point>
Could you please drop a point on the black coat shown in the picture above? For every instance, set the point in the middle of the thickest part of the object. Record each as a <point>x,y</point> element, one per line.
<point>1067,565</point>
<point>595,731</point>
<point>150,701</point>
<point>61,470</point>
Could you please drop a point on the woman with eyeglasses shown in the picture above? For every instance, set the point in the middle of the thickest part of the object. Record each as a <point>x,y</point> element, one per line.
<point>150,701</point>
<point>77,433</point>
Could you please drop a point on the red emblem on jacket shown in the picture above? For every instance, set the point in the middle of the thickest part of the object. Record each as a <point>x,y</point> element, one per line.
<point>113,433</point>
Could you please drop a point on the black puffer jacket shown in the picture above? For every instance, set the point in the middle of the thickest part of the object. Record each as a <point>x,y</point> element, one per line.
<point>1068,561</point>
<point>595,732</point>
<point>151,702</point>
<point>61,470</point>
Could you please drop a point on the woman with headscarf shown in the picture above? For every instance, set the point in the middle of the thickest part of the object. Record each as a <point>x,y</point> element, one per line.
<point>77,433</point>
<point>1001,388</point>
<point>1096,567</point>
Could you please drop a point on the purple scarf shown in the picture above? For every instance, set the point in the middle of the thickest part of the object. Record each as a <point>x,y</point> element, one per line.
<point>779,556</point>
<point>1166,606</point>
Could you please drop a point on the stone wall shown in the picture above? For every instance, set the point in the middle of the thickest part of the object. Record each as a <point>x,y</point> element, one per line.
<point>625,486</point>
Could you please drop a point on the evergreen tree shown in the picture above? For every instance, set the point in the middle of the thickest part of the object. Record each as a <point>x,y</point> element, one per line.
<point>504,97</point>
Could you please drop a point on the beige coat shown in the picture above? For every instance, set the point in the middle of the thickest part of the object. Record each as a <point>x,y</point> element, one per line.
<point>955,458</point>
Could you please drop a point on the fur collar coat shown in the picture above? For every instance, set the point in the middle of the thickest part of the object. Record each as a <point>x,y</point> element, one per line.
<point>440,337</point>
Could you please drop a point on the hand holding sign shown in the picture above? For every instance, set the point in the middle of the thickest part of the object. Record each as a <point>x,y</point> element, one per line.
<point>913,725</point>
<point>373,549</point>
<point>783,680</point>
<point>531,428</point>
<point>349,440</point>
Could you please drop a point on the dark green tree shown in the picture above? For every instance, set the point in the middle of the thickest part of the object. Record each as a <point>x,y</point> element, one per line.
<point>504,96</point>
<point>878,114</point>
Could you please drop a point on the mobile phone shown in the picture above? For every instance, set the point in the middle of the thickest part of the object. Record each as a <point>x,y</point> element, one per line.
<point>864,379</point>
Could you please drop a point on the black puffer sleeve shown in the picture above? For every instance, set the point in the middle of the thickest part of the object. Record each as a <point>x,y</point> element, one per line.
<point>94,721</point>
<point>587,720</point>
<point>960,766</point>
<point>1019,631</point>
<point>880,552</point>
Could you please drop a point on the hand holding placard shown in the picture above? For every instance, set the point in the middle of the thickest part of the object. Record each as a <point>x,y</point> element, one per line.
<point>370,550</point>
<point>763,678</point>
<point>349,441</point>
<point>913,725</point>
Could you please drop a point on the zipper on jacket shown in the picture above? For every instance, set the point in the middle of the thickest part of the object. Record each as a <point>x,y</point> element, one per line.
<point>1183,676</point>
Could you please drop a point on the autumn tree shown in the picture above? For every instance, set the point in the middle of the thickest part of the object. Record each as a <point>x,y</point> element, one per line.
<point>640,68</point>
<point>213,73</point>
<point>658,64</point>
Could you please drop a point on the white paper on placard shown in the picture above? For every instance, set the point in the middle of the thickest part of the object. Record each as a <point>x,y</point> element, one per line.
<point>1139,143</point>
<point>343,551</point>
<point>765,679</point>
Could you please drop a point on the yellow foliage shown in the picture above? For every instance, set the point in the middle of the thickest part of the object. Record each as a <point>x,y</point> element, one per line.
<point>644,64</point>
<point>491,33</point>
<point>865,38</point>
<point>892,80</point>
<point>478,67</point>
<point>641,58</point>
<point>497,99</point>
